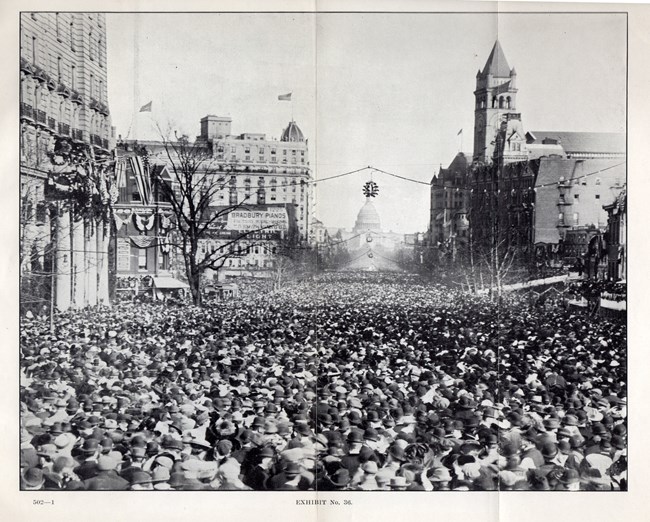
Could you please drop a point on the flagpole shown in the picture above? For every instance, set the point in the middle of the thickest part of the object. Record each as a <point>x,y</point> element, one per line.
<point>136,93</point>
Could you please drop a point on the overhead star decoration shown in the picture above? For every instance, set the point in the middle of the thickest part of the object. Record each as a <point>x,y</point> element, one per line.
<point>370,189</point>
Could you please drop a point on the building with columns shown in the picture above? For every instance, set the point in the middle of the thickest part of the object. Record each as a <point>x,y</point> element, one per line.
<point>65,160</point>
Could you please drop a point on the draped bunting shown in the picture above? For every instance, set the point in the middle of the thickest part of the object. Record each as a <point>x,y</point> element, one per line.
<point>144,223</point>
<point>143,241</point>
<point>120,221</point>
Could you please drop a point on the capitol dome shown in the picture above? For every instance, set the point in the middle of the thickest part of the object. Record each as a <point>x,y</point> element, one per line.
<point>292,133</point>
<point>368,218</point>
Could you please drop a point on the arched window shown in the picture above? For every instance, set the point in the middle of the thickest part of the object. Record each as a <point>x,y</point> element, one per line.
<point>494,102</point>
<point>508,102</point>
<point>501,102</point>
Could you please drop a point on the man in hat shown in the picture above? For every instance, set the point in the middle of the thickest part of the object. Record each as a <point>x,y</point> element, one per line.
<point>107,478</point>
<point>90,451</point>
<point>259,473</point>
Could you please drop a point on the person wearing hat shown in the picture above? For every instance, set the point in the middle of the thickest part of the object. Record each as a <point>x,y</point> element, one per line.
<point>258,475</point>
<point>160,479</point>
<point>61,473</point>
<point>351,460</point>
<point>337,481</point>
<point>228,477</point>
<point>32,479</point>
<point>137,455</point>
<point>107,478</point>
<point>368,482</point>
<point>90,451</point>
<point>140,481</point>
<point>289,479</point>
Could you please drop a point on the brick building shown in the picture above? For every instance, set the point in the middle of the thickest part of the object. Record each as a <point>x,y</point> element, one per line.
<point>541,192</point>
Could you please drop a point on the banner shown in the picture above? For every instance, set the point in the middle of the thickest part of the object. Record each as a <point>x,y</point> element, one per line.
<point>123,255</point>
<point>271,220</point>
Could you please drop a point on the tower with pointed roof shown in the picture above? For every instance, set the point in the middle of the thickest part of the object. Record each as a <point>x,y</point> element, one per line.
<point>496,94</point>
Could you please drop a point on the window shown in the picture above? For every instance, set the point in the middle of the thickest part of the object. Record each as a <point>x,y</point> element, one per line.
<point>99,52</point>
<point>73,76</point>
<point>91,48</point>
<point>100,94</point>
<point>597,181</point>
<point>58,25</point>
<point>92,86</point>
<point>272,151</point>
<point>58,69</point>
<point>576,196</point>
<point>34,50</point>
<point>142,259</point>
<point>597,196</point>
<point>72,46</point>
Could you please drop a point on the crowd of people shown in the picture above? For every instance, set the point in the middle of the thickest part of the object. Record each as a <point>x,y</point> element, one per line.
<point>343,382</point>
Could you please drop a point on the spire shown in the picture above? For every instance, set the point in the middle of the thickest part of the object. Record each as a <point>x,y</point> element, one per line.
<point>496,64</point>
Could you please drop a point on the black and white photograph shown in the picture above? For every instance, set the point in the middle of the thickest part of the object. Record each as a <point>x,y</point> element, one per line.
<point>328,253</point>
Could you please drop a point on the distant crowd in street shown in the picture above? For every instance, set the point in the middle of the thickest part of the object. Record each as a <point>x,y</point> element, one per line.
<point>347,381</point>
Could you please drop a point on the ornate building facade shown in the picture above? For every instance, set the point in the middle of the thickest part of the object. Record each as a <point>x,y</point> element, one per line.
<point>540,192</point>
<point>65,160</point>
<point>260,185</point>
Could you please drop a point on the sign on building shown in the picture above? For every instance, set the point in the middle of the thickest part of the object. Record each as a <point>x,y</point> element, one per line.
<point>271,220</point>
<point>123,254</point>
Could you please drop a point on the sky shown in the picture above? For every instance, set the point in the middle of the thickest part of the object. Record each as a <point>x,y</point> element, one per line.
<point>390,91</point>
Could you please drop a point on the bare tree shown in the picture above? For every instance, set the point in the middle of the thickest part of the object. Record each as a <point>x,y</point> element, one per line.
<point>196,179</point>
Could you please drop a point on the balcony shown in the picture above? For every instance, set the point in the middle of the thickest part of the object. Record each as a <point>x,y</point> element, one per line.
<point>63,90</point>
<point>26,67</point>
<point>95,140</point>
<point>563,201</point>
<point>40,117</point>
<point>64,129</point>
<point>51,124</point>
<point>26,111</point>
<point>40,74</point>
<point>75,97</point>
<point>104,144</point>
<point>77,135</point>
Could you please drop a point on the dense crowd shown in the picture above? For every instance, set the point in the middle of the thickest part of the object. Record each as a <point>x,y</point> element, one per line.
<point>343,382</point>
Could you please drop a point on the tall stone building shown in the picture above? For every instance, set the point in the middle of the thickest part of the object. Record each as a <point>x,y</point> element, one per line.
<point>65,164</point>
<point>496,99</point>
<point>540,192</point>
<point>264,181</point>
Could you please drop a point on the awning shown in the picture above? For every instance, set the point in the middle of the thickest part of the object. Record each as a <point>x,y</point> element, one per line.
<point>168,283</point>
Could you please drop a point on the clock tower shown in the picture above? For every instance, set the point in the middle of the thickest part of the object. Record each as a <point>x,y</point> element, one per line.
<point>496,93</point>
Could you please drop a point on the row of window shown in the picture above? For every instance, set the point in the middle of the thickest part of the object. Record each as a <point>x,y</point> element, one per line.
<point>261,150</point>
<point>95,44</point>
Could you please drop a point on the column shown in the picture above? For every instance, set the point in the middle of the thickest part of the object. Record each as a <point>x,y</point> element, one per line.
<point>91,262</point>
<point>78,266</point>
<point>103,238</point>
<point>63,280</point>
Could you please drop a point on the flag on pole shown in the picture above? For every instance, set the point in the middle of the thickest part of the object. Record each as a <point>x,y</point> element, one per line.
<point>120,173</point>
<point>146,107</point>
<point>459,132</point>
<point>285,97</point>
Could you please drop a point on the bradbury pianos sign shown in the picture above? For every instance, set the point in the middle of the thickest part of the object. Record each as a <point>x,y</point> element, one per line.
<point>269,220</point>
